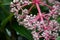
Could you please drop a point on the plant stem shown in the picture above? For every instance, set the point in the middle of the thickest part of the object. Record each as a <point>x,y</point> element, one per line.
<point>39,11</point>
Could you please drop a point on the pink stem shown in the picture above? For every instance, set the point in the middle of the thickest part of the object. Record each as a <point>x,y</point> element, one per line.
<point>31,8</point>
<point>40,15</point>
<point>37,17</point>
<point>24,5</point>
<point>46,5</point>
<point>38,8</point>
<point>52,12</point>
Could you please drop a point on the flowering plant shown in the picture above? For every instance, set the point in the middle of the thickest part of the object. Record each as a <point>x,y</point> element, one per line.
<point>40,24</point>
<point>29,20</point>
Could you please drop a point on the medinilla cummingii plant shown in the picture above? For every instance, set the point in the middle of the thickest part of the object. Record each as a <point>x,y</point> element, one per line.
<point>41,25</point>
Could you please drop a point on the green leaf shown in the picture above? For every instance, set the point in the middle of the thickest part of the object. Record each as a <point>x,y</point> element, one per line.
<point>23,31</point>
<point>58,38</point>
<point>5,2</point>
<point>5,21</point>
<point>44,9</point>
<point>4,12</point>
<point>58,19</point>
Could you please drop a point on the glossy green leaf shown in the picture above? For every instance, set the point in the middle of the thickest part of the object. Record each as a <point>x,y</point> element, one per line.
<point>5,21</point>
<point>23,31</point>
<point>58,38</point>
<point>58,19</point>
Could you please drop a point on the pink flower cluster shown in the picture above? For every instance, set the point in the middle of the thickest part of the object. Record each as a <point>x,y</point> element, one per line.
<point>40,24</point>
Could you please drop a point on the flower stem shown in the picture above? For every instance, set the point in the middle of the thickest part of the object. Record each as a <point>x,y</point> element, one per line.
<point>39,11</point>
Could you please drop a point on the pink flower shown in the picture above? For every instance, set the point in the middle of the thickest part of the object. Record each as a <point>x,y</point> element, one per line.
<point>40,24</point>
